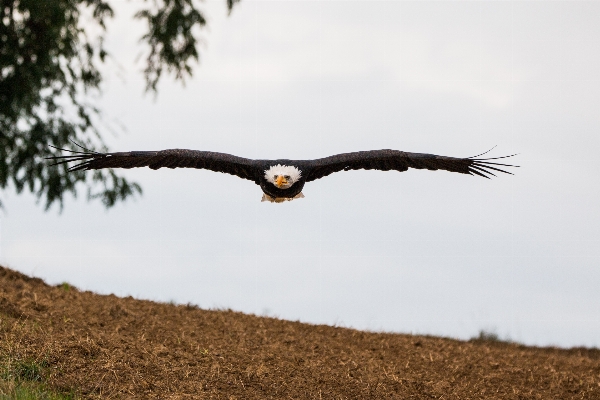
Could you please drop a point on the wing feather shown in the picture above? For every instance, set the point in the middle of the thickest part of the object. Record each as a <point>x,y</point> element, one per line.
<point>473,171</point>
<point>175,158</point>
<point>386,160</point>
<point>483,171</point>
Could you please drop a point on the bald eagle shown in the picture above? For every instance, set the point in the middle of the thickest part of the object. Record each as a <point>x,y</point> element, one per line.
<point>282,180</point>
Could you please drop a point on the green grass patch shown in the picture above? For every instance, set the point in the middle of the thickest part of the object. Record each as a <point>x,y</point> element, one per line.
<point>65,286</point>
<point>29,391</point>
<point>24,380</point>
<point>23,370</point>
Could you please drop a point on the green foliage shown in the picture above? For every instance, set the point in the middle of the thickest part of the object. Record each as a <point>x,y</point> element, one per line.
<point>49,68</point>
<point>172,44</point>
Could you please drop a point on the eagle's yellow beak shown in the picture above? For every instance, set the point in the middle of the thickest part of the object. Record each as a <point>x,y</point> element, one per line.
<point>280,181</point>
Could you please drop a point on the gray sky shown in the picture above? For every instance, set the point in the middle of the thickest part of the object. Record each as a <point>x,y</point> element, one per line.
<point>419,251</point>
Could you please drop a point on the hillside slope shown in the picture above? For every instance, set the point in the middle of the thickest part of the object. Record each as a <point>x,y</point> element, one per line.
<point>110,347</point>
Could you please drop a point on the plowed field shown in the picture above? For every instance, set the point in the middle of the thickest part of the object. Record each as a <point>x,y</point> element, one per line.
<point>109,347</point>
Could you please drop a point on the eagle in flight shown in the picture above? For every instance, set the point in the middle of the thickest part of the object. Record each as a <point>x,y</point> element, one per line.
<point>282,180</point>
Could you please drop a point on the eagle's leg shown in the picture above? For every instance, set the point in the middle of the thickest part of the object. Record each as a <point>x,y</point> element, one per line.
<point>271,199</point>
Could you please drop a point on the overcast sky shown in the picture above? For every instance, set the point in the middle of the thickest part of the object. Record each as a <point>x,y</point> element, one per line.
<point>419,251</point>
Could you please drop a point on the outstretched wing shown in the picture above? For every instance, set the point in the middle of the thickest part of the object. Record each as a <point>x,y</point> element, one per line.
<point>176,158</point>
<point>386,160</point>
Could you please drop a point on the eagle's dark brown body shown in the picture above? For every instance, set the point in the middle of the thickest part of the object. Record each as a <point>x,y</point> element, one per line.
<point>254,170</point>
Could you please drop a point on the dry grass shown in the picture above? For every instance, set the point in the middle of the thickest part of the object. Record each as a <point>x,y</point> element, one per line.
<point>110,347</point>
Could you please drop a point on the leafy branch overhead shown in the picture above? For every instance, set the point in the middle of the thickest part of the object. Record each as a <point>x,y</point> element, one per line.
<point>49,65</point>
<point>172,43</point>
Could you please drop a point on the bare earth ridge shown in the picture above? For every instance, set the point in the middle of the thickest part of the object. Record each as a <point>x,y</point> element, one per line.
<point>111,347</point>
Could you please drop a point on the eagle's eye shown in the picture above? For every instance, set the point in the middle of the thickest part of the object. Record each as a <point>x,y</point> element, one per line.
<point>287,177</point>
<point>275,176</point>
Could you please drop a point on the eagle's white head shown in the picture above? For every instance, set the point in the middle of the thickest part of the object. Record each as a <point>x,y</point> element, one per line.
<point>283,176</point>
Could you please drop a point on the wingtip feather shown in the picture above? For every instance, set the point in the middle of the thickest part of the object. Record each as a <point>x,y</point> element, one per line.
<point>478,173</point>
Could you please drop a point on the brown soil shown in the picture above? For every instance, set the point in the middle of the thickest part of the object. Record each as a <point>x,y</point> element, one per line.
<point>110,347</point>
